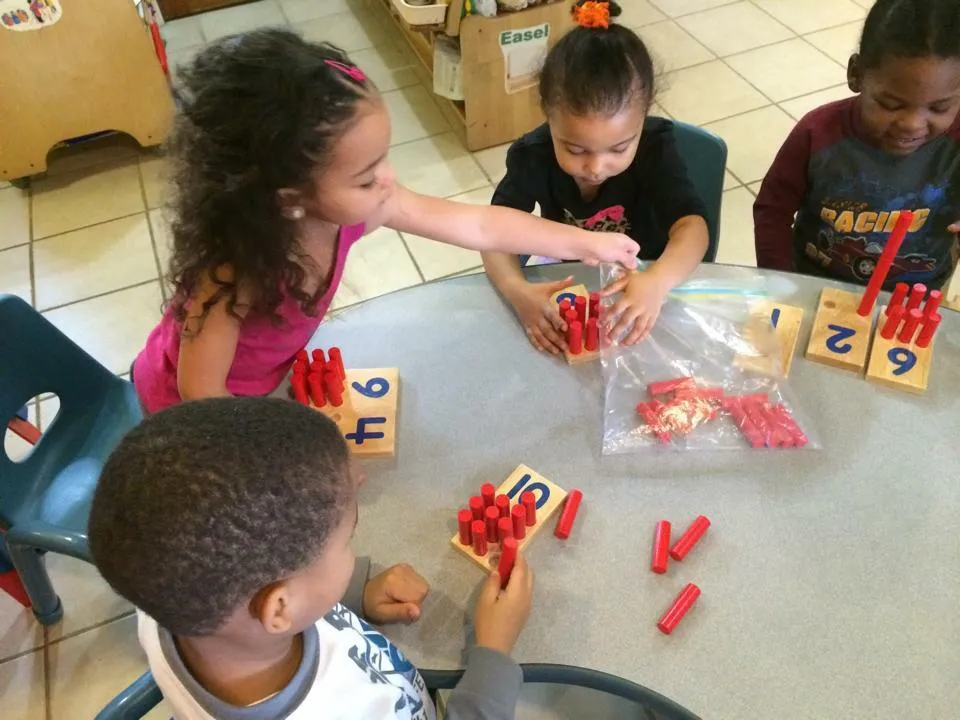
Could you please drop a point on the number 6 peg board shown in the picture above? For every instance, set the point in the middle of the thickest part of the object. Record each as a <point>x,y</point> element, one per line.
<point>368,416</point>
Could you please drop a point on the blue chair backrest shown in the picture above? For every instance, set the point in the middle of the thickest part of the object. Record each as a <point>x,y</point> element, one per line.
<point>36,358</point>
<point>705,156</point>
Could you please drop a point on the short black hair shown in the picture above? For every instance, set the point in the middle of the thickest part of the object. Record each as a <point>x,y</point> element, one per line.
<point>910,29</point>
<point>207,502</point>
<point>597,70</point>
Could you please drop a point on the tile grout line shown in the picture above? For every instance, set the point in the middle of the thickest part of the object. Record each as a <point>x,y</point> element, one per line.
<point>423,278</point>
<point>47,690</point>
<point>96,626</point>
<point>96,296</point>
<point>87,227</point>
<point>153,238</point>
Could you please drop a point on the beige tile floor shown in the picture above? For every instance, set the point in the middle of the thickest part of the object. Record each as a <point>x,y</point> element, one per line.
<point>86,245</point>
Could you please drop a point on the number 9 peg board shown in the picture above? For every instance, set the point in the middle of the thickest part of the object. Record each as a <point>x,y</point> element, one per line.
<point>368,416</point>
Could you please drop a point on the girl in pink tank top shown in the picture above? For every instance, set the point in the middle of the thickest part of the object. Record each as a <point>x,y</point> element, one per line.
<point>280,165</point>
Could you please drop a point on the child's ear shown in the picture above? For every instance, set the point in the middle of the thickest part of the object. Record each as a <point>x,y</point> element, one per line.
<point>291,203</point>
<point>853,74</point>
<point>272,608</point>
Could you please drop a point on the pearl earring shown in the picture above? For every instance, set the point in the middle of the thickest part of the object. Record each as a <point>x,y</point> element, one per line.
<point>295,213</point>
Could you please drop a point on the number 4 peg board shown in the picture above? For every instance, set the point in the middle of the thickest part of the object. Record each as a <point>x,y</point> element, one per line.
<point>363,403</point>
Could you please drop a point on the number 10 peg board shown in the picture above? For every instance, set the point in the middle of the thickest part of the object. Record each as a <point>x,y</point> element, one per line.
<point>549,498</point>
<point>368,416</point>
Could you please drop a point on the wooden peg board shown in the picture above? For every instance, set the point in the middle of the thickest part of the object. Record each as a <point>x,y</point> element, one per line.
<point>786,321</point>
<point>897,365</point>
<point>840,337</point>
<point>549,498</point>
<point>368,416</point>
<point>570,293</point>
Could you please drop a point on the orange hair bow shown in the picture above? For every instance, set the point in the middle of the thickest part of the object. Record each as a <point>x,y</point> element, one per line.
<point>592,14</point>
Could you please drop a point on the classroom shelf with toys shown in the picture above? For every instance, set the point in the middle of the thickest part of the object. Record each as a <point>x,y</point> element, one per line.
<point>82,68</point>
<point>484,57</point>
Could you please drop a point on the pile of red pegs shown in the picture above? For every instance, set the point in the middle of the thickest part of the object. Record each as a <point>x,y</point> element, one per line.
<point>679,406</point>
<point>318,381</point>
<point>681,548</point>
<point>903,319</point>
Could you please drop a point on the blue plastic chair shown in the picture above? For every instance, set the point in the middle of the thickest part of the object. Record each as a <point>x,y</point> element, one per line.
<point>705,156</point>
<point>45,498</point>
<point>143,694</point>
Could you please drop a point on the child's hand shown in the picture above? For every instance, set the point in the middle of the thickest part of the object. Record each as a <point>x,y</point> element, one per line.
<point>539,316</point>
<point>502,614</point>
<point>610,247</point>
<point>395,595</point>
<point>640,306</point>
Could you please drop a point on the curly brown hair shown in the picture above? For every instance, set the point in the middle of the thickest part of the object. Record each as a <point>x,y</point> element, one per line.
<point>207,502</point>
<point>259,112</point>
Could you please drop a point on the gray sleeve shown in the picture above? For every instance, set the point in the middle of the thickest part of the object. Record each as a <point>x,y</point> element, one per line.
<point>353,597</point>
<point>489,688</point>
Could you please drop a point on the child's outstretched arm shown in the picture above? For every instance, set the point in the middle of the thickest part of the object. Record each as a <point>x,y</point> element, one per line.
<point>490,686</point>
<point>485,228</point>
<point>207,343</point>
<point>777,203</point>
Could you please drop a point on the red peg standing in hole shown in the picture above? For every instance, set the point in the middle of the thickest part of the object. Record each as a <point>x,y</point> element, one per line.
<point>594,308</point>
<point>890,325</point>
<point>508,556</point>
<point>479,531</point>
<point>316,390</point>
<point>299,384</point>
<point>569,514</point>
<point>910,325</point>
<point>580,305</point>
<point>933,303</point>
<point>303,357</point>
<point>882,268</point>
<point>336,359</point>
<point>319,357</point>
<point>503,505</point>
<point>529,502</point>
<point>917,293</point>
<point>491,517</point>
<point>574,337</point>
<point>333,386</point>
<point>690,538</point>
<point>661,547</point>
<point>519,516</point>
<point>672,617</point>
<point>592,342</point>
<point>487,494</point>
<point>570,316</point>
<point>928,329</point>
<point>465,525</point>
<point>504,529</point>
<point>899,295</point>
<point>476,507</point>
<point>563,308</point>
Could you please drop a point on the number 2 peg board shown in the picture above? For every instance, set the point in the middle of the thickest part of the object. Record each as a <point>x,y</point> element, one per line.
<point>523,479</point>
<point>571,293</point>
<point>368,416</point>
<point>840,337</point>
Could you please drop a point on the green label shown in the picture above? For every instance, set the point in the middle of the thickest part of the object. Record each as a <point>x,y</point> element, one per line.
<point>525,35</point>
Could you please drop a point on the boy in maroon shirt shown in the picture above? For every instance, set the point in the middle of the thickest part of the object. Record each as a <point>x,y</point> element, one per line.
<point>834,192</point>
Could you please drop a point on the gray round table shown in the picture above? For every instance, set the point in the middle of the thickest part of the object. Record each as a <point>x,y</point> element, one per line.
<point>830,579</point>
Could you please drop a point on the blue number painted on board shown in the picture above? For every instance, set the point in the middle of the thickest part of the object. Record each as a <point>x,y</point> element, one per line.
<point>532,487</point>
<point>566,296</point>
<point>775,317</point>
<point>361,434</point>
<point>835,343</point>
<point>904,360</point>
<point>376,387</point>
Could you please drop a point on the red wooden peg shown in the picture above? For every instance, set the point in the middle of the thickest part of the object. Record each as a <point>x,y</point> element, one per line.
<point>491,516</point>
<point>594,308</point>
<point>333,385</point>
<point>592,341</point>
<point>504,529</point>
<point>580,305</point>
<point>661,547</point>
<point>917,293</point>
<point>508,556</point>
<point>336,359</point>
<point>563,308</point>
<point>574,337</point>
<point>319,357</point>
<point>487,493</point>
<point>479,531</point>
<point>465,525</point>
<point>910,325</point>
<point>316,390</point>
<point>299,385</point>
<point>569,514</point>
<point>933,303</point>
<point>899,295</point>
<point>476,507</point>
<point>685,544</point>
<point>882,267</point>
<point>519,516</point>
<point>890,325</point>
<point>928,329</point>
<point>529,502</point>
<point>503,505</point>
<point>672,617</point>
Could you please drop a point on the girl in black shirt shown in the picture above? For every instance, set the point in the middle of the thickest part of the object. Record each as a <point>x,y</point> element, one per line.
<point>600,163</point>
